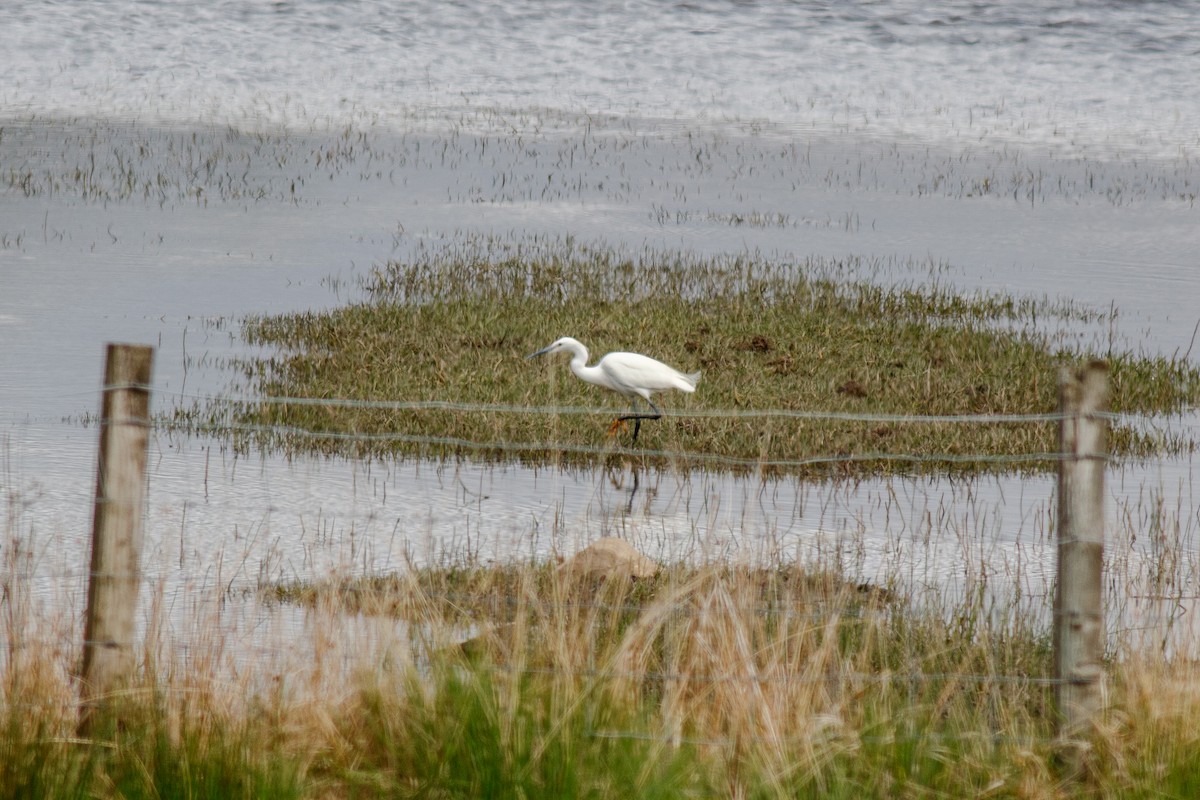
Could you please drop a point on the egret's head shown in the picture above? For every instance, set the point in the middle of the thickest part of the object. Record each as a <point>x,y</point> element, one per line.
<point>565,343</point>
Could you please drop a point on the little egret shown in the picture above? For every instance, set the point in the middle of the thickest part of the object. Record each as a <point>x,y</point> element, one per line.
<point>632,375</point>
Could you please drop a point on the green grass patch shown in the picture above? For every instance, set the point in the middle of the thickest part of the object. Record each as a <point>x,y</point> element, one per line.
<point>141,750</point>
<point>455,324</point>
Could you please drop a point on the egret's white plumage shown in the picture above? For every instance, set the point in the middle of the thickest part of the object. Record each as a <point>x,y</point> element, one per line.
<point>632,375</point>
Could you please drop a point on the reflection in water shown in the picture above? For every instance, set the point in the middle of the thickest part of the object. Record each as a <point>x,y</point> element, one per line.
<point>618,480</point>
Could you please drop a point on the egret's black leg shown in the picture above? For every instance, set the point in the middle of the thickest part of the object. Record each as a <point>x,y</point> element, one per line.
<point>637,417</point>
<point>637,421</point>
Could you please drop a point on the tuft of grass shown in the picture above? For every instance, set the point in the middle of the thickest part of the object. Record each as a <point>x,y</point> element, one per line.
<point>454,324</point>
<point>479,734</point>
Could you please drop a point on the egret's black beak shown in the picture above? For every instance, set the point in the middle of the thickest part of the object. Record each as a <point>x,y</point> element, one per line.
<point>543,351</point>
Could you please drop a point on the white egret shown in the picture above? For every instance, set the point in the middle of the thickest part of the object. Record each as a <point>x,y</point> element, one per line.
<point>632,375</point>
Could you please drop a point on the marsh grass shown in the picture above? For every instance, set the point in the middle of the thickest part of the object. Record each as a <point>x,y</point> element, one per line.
<point>703,681</point>
<point>171,734</point>
<point>153,753</point>
<point>453,324</point>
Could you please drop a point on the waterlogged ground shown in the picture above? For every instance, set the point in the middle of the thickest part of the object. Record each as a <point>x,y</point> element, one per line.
<point>112,232</point>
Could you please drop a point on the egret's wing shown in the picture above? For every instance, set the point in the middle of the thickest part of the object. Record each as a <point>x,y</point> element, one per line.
<point>637,374</point>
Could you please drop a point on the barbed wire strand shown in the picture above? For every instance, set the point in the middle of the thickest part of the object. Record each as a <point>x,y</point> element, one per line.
<point>502,408</point>
<point>833,733</point>
<point>453,442</point>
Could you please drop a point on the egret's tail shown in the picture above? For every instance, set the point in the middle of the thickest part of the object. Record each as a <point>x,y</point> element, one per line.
<point>691,380</point>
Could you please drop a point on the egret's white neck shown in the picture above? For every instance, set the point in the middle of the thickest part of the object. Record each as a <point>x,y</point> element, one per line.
<point>579,357</point>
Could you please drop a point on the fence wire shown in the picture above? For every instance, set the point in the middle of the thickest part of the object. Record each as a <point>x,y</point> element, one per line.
<point>703,413</point>
<point>280,431</point>
<point>679,455</point>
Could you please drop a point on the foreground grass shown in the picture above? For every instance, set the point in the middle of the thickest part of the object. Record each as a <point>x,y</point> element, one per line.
<point>454,324</point>
<point>157,751</point>
<point>700,682</point>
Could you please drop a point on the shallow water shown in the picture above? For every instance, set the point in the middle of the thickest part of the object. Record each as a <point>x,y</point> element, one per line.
<point>278,151</point>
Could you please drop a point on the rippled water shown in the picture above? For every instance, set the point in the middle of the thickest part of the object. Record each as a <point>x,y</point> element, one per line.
<point>1098,78</point>
<point>1022,146</point>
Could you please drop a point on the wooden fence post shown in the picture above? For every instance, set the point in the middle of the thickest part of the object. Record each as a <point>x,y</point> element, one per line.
<point>108,659</point>
<point>1078,602</point>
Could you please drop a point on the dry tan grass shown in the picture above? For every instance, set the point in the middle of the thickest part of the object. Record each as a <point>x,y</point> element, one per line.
<point>700,680</point>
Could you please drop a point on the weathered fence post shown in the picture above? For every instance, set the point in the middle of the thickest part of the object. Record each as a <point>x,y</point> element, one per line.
<point>1078,603</point>
<point>108,659</point>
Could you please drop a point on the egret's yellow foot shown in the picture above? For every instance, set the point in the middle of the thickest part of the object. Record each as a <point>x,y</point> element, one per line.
<point>618,425</point>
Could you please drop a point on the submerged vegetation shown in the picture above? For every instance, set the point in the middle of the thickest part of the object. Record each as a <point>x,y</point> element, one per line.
<point>808,367</point>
